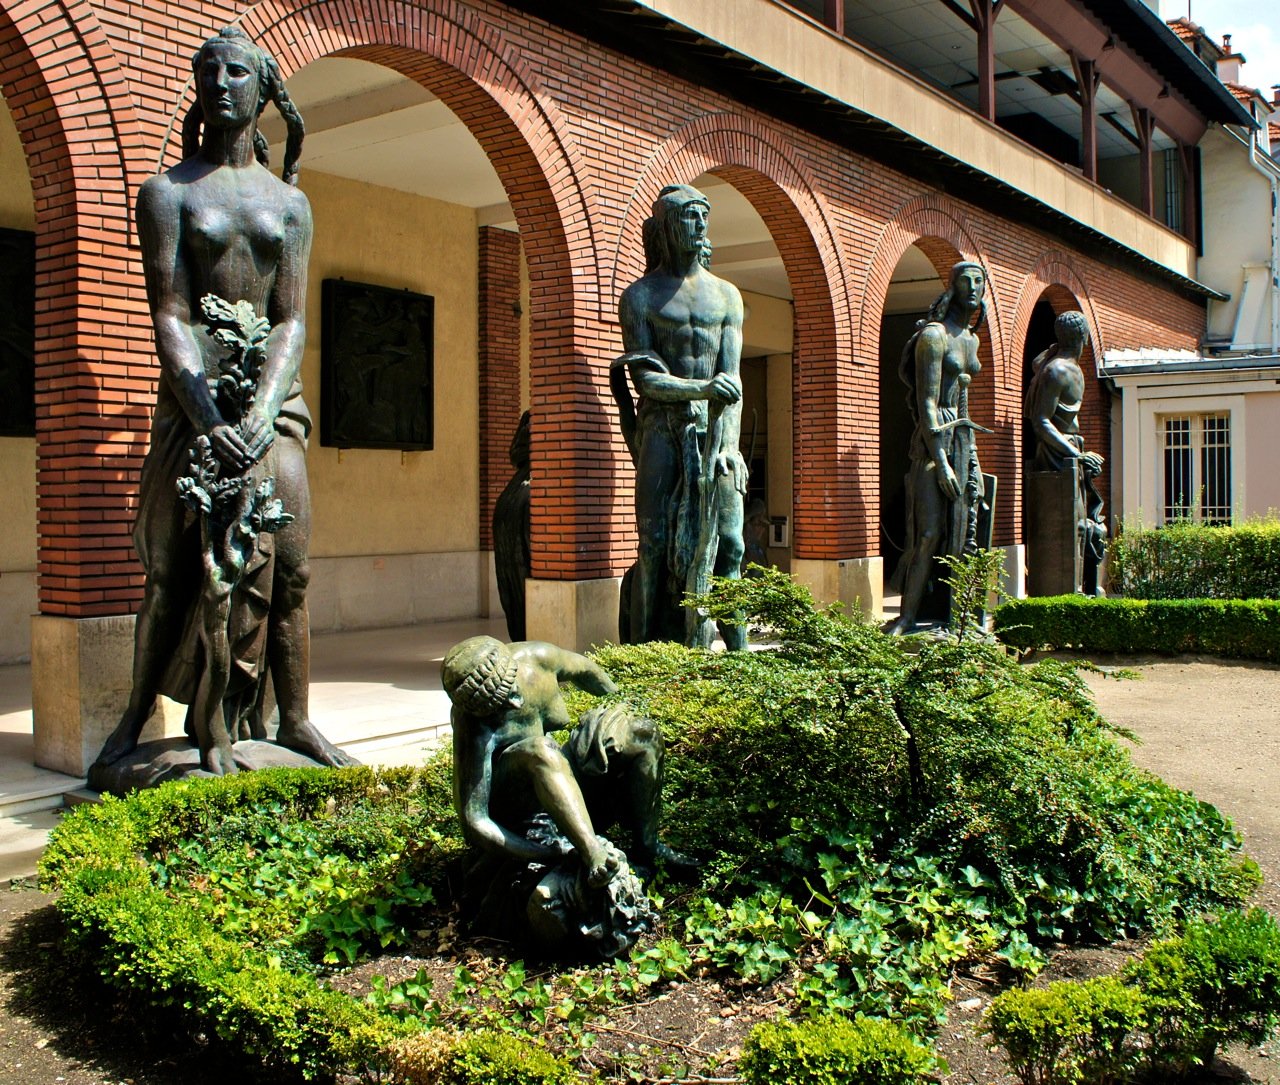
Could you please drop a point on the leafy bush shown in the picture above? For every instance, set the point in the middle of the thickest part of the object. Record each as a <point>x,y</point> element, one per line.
<point>1069,1032</point>
<point>833,1050</point>
<point>477,1058</point>
<point>1217,983</point>
<point>1235,629</point>
<point>1189,561</point>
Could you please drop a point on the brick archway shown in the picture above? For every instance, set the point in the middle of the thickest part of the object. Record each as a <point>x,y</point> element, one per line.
<point>828,518</point>
<point>79,130</point>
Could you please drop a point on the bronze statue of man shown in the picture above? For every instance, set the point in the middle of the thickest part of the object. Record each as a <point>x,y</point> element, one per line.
<point>1052,409</point>
<point>682,331</point>
<point>506,767</point>
<point>944,482</point>
<point>220,225</point>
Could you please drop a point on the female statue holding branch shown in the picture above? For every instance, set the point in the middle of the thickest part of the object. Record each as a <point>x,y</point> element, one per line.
<point>221,226</point>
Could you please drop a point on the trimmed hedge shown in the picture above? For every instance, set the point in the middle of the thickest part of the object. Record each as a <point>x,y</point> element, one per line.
<point>1233,628</point>
<point>835,1051</point>
<point>1189,561</point>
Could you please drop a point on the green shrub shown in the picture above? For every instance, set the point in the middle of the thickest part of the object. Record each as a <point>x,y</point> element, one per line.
<point>1189,561</point>
<point>836,1051</point>
<point>1217,983</point>
<point>477,1058</point>
<point>1235,629</point>
<point>1069,1032</point>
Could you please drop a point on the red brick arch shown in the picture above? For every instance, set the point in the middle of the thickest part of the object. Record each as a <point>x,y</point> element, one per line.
<point>745,153</point>
<point>64,86</point>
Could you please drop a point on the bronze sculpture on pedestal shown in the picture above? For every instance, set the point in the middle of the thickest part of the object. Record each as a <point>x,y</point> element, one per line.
<point>220,234</point>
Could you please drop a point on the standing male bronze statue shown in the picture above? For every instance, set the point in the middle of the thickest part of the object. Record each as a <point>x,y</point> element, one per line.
<point>221,229</point>
<point>682,330</point>
<point>1052,409</point>
<point>944,482</point>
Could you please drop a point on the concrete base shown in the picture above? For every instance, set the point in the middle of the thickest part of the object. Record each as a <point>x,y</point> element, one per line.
<point>858,583</point>
<point>575,614</point>
<point>81,676</point>
<point>375,591</point>
<point>1015,571</point>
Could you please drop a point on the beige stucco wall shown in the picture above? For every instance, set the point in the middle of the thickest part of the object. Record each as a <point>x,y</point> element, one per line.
<point>1237,229</point>
<point>368,501</point>
<point>17,454</point>
<point>1262,487</point>
<point>394,537</point>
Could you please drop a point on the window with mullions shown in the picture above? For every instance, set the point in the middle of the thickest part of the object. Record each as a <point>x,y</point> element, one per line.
<point>1197,468</point>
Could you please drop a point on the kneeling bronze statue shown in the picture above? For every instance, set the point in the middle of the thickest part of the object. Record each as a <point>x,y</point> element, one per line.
<point>530,808</point>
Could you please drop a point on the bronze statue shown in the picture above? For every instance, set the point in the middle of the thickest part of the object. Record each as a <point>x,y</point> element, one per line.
<point>224,248</point>
<point>944,482</point>
<point>512,550</point>
<point>530,809</point>
<point>682,330</point>
<point>1052,409</point>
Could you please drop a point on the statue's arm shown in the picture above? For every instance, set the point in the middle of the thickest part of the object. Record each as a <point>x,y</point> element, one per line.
<point>931,349</point>
<point>568,666</point>
<point>159,218</point>
<point>473,748</point>
<point>286,310</point>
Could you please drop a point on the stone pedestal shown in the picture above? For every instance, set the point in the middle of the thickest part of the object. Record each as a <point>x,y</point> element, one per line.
<point>574,614</point>
<point>1053,549</point>
<point>81,675</point>
<point>858,583</point>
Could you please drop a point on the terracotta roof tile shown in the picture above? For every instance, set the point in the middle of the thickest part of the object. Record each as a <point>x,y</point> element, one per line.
<point>1185,28</point>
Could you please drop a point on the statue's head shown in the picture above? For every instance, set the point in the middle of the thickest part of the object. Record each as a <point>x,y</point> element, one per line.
<point>966,291</point>
<point>677,227</point>
<point>479,674</point>
<point>235,79</point>
<point>246,70</point>
<point>1071,330</point>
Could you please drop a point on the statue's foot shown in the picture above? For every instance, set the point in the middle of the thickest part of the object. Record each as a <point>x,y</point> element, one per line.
<point>219,760</point>
<point>303,738</point>
<point>900,627</point>
<point>120,744</point>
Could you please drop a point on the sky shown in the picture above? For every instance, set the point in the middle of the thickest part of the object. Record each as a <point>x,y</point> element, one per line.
<point>1254,26</point>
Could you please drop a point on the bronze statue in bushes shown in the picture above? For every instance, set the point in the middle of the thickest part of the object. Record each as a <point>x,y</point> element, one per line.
<point>682,330</point>
<point>224,510</point>
<point>531,809</point>
<point>944,483</point>
<point>1052,409</point>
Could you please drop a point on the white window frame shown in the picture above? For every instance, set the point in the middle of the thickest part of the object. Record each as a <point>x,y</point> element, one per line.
<point>1195,511</point>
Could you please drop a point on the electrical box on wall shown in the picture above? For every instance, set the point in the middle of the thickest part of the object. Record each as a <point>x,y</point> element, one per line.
<point>779,531</point>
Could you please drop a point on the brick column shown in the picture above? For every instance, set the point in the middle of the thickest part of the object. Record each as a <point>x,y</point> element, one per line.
<point>499,348</point>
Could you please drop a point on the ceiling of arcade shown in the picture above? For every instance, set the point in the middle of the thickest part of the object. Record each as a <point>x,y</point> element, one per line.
<point>368,123</point>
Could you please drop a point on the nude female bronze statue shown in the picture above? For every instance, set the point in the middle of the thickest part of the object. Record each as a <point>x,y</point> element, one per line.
<point>682,331</point>
<point>221,228</point>
<point>944,483</point>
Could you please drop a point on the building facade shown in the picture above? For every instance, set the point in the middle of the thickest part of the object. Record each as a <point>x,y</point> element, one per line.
<point>501,157</point>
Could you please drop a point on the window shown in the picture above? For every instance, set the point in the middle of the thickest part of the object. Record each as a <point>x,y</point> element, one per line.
<point>1197,467</point>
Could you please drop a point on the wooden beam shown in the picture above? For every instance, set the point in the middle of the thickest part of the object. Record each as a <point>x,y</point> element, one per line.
<point>1087,79</point>
<point>984,22</point>
<point>965,16</point>
<point>1144,125</point>
<point>833,15</point>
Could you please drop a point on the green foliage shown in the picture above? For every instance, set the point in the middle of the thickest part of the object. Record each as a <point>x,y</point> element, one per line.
<point>1235,629</point>
<point>1189,561</point>
<point>973,579</point>
<point>832,1050</point>
<point>1216,983</point>
<point>477,1058</point>
<point>1069,1032</point>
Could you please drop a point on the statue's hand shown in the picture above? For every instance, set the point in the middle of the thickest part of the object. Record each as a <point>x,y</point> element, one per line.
<point>258,433</point>
<point>723,388</point>
<point>230,448</point>
<point>1092,463</point>
<point>947,482</point>
<point>733,465</point>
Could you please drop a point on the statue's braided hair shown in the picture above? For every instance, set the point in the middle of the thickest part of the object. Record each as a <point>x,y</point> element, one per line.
<point>479,675</point>
<point>270,88</point>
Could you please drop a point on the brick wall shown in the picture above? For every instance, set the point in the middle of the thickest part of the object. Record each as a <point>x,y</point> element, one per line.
<point>499,341</point>
<point>582,139</point>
